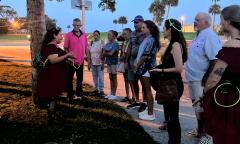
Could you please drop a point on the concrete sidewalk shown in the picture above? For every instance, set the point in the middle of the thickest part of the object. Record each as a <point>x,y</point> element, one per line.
<point>186,114</point>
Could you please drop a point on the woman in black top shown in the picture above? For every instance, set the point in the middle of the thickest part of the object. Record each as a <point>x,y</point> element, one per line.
<point>172,66</point>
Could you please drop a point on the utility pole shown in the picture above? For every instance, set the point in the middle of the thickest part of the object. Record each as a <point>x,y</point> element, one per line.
<point>83,15</point>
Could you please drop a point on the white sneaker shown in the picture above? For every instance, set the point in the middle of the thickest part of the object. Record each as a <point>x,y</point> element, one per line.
<point>113,97</point>
<point>146,116</point>
<point>108,96</point>
<point>143,112</point>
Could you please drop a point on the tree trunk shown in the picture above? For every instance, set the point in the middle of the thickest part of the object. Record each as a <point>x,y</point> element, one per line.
<point>37,29</point>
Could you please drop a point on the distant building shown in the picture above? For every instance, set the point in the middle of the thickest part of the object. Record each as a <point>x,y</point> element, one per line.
<point>188,28</point>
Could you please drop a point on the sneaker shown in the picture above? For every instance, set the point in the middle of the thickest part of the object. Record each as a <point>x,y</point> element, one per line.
<point>113,97</point>
<point>143,106</point>
<point>133,105</point>
<point>143,112</point>
<point>126,99</point>
<point>106,97</point>
<point>196,134</point>
<point>146,116</point>
<point>101,94</point>
<point>95,93</point>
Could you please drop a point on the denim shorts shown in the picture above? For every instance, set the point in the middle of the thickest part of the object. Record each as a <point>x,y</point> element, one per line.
<point>112,69</point>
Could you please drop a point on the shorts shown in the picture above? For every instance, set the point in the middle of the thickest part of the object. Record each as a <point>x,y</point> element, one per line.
<point>131,75</point>
<point>146,74</point>
<point>196,92</point>
<point>112,69</point>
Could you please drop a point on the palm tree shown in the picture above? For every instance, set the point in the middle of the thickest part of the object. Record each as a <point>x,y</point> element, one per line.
<point>157,8</point>
<point>214,9</point>
<point>170,3</point>
<point>115,21</point>
<point>68,27</point>
<point>122,20</point>
<point>107,4</point>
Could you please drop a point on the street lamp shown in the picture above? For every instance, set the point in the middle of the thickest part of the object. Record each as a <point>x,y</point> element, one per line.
<point>182,20</point>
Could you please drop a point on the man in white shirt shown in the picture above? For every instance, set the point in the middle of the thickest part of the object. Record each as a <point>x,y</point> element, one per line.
<point>202,49</point>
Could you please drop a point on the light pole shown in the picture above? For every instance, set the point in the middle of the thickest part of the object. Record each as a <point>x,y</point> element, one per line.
<point>83,15</point>
<point>182,20</point>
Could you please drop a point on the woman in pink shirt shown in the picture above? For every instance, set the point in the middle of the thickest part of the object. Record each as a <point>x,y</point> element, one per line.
<point>96,63</point>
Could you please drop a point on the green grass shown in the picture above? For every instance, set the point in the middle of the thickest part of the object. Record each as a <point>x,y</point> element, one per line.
<point>13,37</point>
<point>90,121</point>
<point>189,35</point>
<point>19,37</point>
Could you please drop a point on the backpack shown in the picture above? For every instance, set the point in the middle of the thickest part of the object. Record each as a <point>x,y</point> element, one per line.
<point>38,62</point>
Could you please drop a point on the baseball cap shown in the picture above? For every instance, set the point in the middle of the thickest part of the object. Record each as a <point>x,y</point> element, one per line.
<point>138,18</point>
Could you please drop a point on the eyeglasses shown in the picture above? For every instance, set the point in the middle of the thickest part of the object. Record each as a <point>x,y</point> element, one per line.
<point>136,22</point>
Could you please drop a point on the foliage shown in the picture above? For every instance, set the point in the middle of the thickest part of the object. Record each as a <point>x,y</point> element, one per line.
<point>157,8</point>
<point>90,121</point>
<point>115,21</point>
<point>215,9</point>
<point>170,3</point>
<point>107,4</point>
<point>7,12</point>
<point>122,20</point>
<point>4,26</point>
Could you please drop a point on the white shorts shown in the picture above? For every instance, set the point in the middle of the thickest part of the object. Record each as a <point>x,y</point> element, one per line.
<point>196,92</point>
<point>146,74</point>
<point>112,69</point>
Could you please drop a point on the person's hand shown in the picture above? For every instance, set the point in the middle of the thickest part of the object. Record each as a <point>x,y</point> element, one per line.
<point>102,67</point>
<point>135,68</point>
<point>89,67</point>
<point>69,60</point>
<point>155,70</point>
<point>70,55</point>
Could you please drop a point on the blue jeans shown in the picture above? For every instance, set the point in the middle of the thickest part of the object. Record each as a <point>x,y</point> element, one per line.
<point>98,77</point>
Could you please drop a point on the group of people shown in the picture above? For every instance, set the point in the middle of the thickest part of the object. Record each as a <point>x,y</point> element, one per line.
<point>217,110</point>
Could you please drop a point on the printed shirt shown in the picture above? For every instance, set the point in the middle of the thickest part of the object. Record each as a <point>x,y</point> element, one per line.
<point>96,52</point>
<point>204,48</point>
<point>109,47</point>
<point>76,45</point>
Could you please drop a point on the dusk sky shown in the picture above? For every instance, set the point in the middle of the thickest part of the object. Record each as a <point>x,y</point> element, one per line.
<point>102,20</point>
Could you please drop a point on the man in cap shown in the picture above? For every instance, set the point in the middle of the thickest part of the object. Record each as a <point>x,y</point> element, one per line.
<point>136,39</point>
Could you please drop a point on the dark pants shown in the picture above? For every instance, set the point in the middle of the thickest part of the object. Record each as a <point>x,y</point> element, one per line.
<point>79,72</point>
<point>171,112</point>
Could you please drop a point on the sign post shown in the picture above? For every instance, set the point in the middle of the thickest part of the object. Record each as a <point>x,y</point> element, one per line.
<point>82,5</point>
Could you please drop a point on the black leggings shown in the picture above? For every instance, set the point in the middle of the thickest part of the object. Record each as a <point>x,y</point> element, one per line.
<point>171,113</point>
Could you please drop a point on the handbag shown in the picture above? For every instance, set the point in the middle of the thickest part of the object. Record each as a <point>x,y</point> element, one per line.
<point>121,67</point>
<point>37,61</point>
<point>166,89</point>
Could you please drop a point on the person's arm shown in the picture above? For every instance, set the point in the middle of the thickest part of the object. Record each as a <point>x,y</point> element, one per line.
<point>177,57</point>
<point>54,58</point>
<point>66,43</point>
<point>212,46</point>
<point>111,53</point>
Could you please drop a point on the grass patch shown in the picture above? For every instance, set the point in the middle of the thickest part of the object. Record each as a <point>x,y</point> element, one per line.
<point>13,37</point>
<point>90,121</point>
